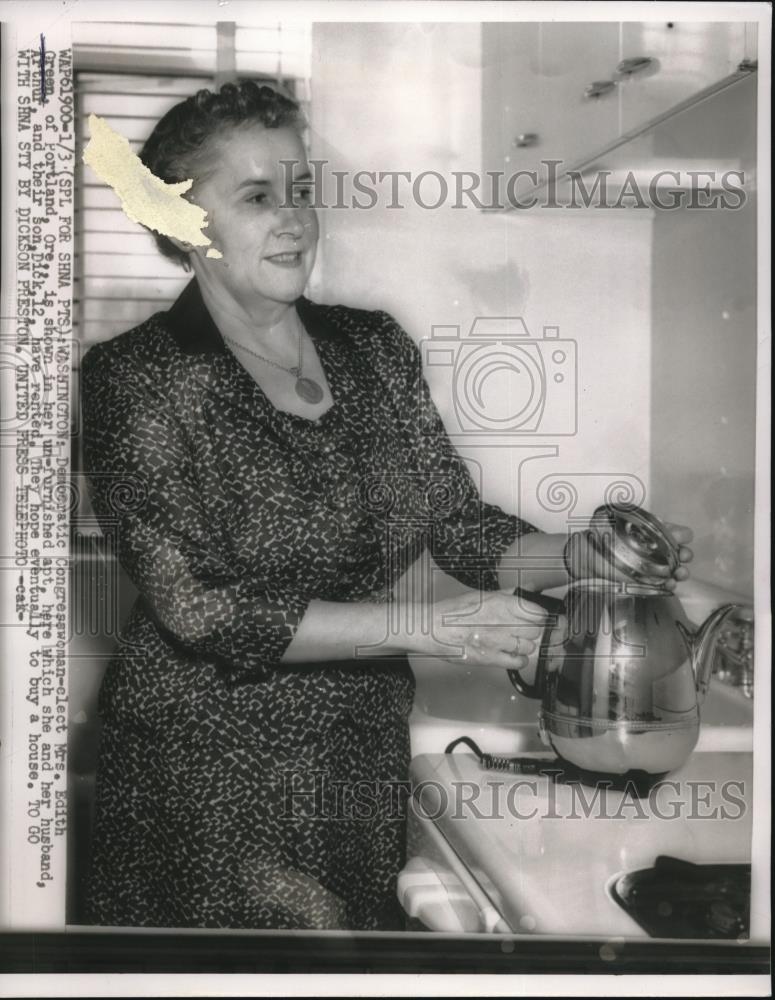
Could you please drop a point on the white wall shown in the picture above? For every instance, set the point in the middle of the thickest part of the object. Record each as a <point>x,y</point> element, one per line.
<point>416,106</point>
<point>704,346</point>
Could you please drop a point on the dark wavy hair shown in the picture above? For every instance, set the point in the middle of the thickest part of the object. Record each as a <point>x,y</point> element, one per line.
<point>181,139</point>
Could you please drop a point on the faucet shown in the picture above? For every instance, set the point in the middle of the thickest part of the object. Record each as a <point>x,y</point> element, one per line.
<point>734,655</point>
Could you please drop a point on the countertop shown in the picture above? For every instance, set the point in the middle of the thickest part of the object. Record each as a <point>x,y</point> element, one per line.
<point>545,852</point>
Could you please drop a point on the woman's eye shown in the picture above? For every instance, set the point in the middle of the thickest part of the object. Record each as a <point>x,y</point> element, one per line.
<point>298,197</point>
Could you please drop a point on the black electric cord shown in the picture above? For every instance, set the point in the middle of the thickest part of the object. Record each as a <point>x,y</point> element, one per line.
<point>516,765</point>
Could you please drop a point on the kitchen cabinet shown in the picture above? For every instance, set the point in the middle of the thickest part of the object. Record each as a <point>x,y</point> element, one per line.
<point>688,58</point>
<point>536,103</point>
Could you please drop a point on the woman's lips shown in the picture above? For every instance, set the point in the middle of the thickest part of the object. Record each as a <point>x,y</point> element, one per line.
<point>288,259</point>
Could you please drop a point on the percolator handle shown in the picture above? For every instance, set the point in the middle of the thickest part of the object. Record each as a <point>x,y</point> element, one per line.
<point>555,607</point>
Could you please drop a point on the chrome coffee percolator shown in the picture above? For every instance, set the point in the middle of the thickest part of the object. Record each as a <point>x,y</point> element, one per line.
<point>621,673</point>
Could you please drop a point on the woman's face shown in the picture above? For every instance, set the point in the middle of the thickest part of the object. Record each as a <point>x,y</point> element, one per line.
<point>266,230</point>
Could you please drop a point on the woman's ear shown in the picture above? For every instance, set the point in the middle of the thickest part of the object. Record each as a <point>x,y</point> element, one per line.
<point>187,250</point>
<point>181,245</point>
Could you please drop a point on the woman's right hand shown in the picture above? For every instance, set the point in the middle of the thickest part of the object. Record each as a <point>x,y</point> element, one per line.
<point>487,629</point>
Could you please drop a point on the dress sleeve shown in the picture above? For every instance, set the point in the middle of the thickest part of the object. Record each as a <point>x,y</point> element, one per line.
<point>468,536</point>
<point>133,445</point>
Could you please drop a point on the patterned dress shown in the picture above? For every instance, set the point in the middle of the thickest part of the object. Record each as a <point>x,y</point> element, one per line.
<point>235,790</point>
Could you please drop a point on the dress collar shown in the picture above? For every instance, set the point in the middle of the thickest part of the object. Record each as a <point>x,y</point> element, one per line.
<point>214,366</point>
<point>195,332</point>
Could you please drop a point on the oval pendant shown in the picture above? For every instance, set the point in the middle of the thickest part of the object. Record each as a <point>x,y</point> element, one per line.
<point>308,390</point>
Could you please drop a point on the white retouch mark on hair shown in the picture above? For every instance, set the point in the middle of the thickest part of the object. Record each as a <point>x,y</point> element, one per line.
<point>144,197</point>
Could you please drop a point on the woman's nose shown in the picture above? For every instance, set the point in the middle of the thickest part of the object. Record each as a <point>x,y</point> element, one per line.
<point>290,222</point>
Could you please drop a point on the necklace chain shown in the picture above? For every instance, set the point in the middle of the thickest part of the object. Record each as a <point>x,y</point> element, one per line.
<point>306,388</point>
<point>295,370</point>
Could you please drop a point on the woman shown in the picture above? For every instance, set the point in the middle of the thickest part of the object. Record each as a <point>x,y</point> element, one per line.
<point>286,465</point>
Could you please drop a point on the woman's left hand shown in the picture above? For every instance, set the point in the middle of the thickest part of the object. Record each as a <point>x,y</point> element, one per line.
<point>681,535</point>
<point>587,562</point>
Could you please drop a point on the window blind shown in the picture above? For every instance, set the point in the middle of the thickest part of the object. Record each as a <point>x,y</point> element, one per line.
<point>120,277</point>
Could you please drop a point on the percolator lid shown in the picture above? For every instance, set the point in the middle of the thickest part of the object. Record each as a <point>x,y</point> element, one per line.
<point>635,542</point>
